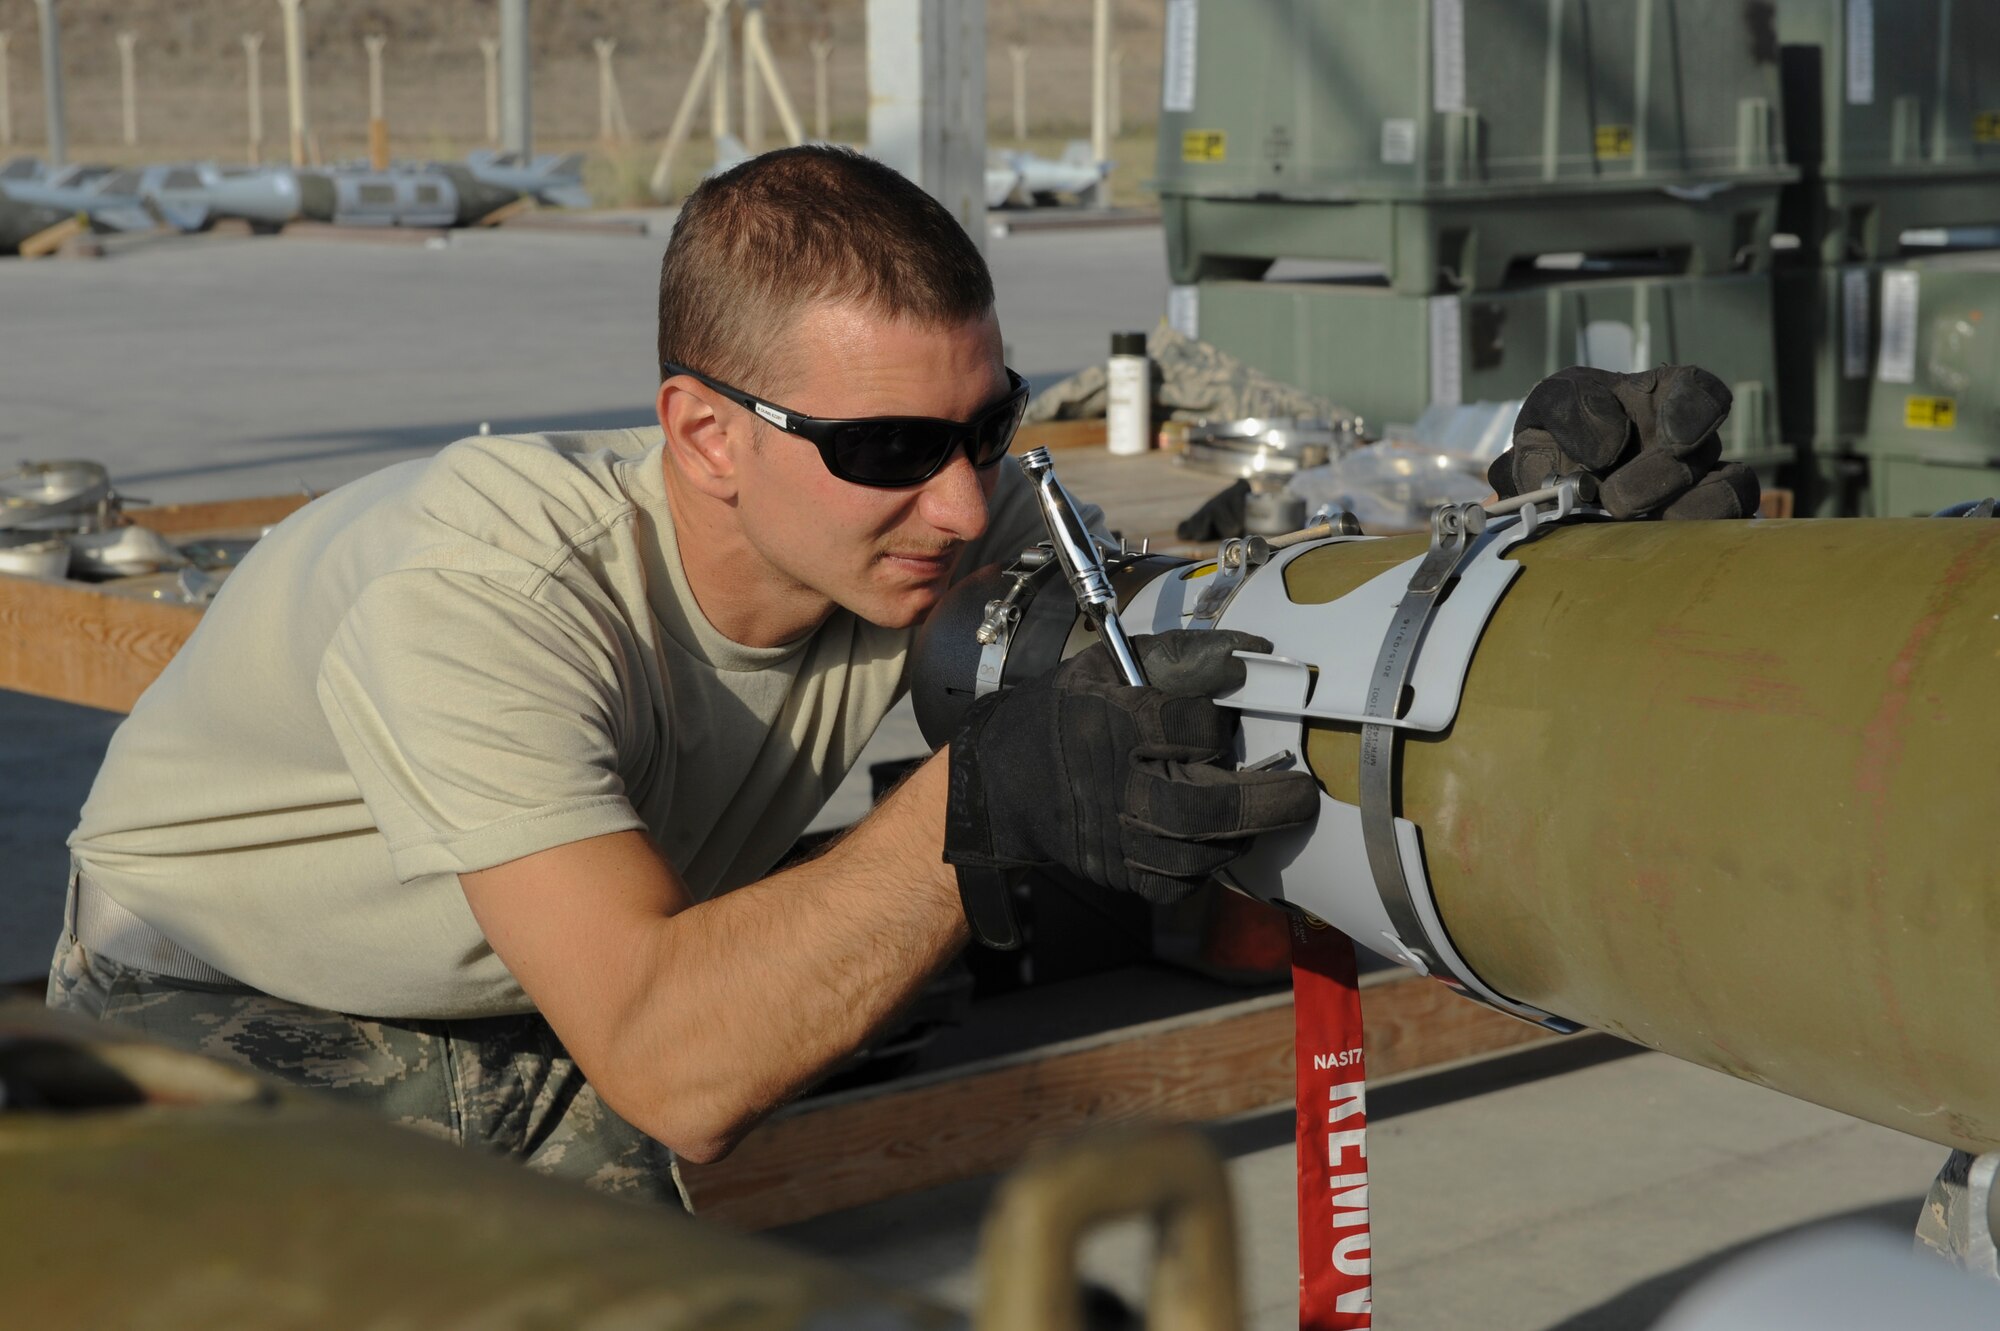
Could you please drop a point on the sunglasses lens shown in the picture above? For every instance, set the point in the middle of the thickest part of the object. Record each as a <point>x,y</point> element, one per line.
<point>996,432</point>
<point>889,452</point>
<point>895,452</point>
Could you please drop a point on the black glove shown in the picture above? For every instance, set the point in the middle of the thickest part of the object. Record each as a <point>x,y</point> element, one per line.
<point>1220,519</point>
<point>1125,787</point>
<point>1649,439</point>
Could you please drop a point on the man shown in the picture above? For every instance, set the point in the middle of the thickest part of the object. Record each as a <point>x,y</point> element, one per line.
<point>463,801</point>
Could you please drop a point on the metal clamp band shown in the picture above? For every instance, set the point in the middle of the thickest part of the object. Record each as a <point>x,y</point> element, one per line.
<point>1458,535</point>
<point>1454,537</point>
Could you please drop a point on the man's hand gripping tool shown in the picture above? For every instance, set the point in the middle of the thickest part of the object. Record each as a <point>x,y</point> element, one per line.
<point>988,894</point>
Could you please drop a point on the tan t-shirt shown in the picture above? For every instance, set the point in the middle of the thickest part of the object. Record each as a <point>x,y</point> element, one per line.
<point>448,665</point>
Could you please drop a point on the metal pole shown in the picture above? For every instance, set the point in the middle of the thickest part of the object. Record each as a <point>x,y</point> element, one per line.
<point>253,43</point>
<point>753,97</point>
<point>662,179</point>
<point>489,49</point>
<point>822,103</point>
<point>52,87</point>
<point>758,48</point>
<point>128,86</point>
<point>1100,86</point>
<point>1019,55</point>
<point>718,101</point>
<point>6,99</point>
<point>378,122</point>
<point>374,42</point>
<point>295,78</point>
<point>927,100</point>
<point>607,129</point>
<point>516,116</point>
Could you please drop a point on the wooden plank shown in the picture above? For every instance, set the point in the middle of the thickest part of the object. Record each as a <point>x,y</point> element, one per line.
<point>1060,434</point>
<point>862,1146</point>
<point>1144,496</point>
<point>222,515</point>
<point>508,212</point>
<point>69,641</point>
<point>47,241</point>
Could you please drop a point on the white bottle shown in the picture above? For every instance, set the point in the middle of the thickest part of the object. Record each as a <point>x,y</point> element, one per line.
<point>1128,381</point>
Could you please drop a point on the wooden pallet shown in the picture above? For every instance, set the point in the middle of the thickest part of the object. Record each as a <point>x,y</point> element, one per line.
<point>84,643</point>
<point>862,1146</point>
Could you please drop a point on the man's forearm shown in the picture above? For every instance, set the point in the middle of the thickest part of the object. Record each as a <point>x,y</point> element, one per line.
<point>755,994</point>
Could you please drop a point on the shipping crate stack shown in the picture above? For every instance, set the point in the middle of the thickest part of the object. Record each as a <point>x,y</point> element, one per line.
<point>1890,382</point>
<point>1396,204</point>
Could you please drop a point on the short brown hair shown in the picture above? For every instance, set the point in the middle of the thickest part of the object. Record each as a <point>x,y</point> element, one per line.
<point>758,243</point>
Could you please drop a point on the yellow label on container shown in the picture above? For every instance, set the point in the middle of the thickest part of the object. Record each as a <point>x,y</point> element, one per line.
<point>1930,413</point>
<point>1986,127</point>
<point>1204,145</point>
<point>1614,141</point>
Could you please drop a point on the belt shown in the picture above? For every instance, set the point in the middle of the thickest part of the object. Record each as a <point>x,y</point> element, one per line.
<point>108,930</point>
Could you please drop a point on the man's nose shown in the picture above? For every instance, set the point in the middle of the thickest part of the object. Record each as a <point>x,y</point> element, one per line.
<point>954,500</point>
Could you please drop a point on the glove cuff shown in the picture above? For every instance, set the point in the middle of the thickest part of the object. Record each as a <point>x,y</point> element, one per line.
<point>985,884</point>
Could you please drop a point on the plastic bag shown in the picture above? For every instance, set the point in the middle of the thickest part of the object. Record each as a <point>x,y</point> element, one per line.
<point>1391,487</point>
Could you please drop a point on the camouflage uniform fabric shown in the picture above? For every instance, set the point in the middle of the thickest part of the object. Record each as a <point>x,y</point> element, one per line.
<point>1192,380</point>
<point>501,1083</point>
<point>1945,1227</point>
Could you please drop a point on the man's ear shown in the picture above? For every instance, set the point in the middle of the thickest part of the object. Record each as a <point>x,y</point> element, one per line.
<point>698,441</point>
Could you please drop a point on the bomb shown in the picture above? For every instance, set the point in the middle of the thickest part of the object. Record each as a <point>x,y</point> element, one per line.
<point>1719,788</point>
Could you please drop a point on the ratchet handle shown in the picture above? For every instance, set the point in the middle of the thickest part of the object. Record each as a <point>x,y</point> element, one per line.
<point>1076,550</point>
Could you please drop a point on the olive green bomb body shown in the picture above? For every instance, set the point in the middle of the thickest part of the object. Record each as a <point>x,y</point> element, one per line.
<point>1726,789</point>
<point>149,1186</point>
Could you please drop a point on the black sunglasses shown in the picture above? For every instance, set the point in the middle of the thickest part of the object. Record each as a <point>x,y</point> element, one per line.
<point>889,451</point>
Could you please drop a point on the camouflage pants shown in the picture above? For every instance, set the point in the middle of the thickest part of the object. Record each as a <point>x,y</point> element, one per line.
<point>502,1083</point>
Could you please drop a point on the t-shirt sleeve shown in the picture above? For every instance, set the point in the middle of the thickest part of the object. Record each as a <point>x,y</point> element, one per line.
<point>1016,520</point>
<point>480,724</point>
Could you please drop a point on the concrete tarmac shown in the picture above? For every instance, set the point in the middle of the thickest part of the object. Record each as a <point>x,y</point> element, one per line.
<point>1577,1188</point>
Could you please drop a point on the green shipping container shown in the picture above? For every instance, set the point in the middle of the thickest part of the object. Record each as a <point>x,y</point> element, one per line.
<point>1388,356</point>
<point>1936,373</point>
<point>1904,380</point>
<point>1914,487</point>
<point>1892,111</point>
<point>1889,381</point>
<point>1447,139</point>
